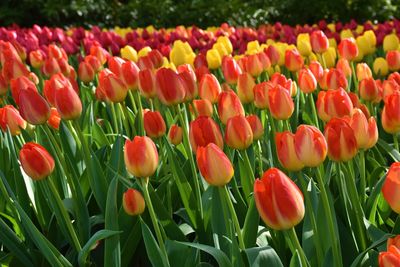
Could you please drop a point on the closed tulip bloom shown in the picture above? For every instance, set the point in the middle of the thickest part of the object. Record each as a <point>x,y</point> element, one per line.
<point>214,165</point>
<point>245,87</point>
<point>54,119</point>
<point>230,69</point>
<point>279,201</point>
<point>100,53</point>
<point>209,88</point>
<point>390,258</point>
<point>238,133</point>
<point>133,202</point>
<point>33,107</point>
<point>256,126</point>
<point>307,81</point>
<point>154,124</point>
<point>293,60</point>
<point>203,107</point>
<point>310,145</point>
<point>369,90</point>
<point>336,79</point>
<point>348,49</point>
<point>229,105</point>
<point>316,69</point>
<point>264,59</point>
<point>129,53</point>
<point>280,103</point>
<point>303,44</point>
<point>254,66</point>
<point>188,77</point>
<point>68,103</point>
<point>380,66</point>
<point>273,54</point>
<point>147,83</point>
<point>393,60</point>
<point>170,89</point>
<point>130,75</point>
<point>391,114</point>
<point>115,65</point>
<point>141,156</point>
<point>175,134</point>
<point>363,71</point>
<point>333,104</point>
<point>85,72</point>
<point>285,149</point>
<point>261,95</point>
<point>389,87</point>
<point>341,140</point>
<point>391,187</point>
<point>213,59</point>
<point>10,118</point>
<point>21,84</point>
<point>36,58</point>
<point>319,42</point>
<point>203,131</point>
<point>114,88</point>
<point>13,69</point>
<point>36,161</point>
<point>50,67</point>
<point>93,62</point>
<point>323,82</point>
<point>344,66</point>
<point>365,130</point>
<point>390,42</point>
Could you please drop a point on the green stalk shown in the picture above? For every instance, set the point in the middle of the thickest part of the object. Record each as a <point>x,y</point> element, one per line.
<point>362,176</point>
<point>295,241</point>
<point>396,142</point>
<point>353,73</point>
<point>233,215</point>
<point>328,213</point>
<point>132,99</point>
<point>140,112</point>
<point>259,155</point>
<point>114,118</point>
<point>247,182</point>
<point>314,111</point>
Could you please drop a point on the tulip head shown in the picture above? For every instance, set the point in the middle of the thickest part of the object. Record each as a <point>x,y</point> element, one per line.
<point>169,86</point>
<point>141,156</point>
<point>175,134</point>
<point>36,161</point>
<point>310,145</point>
<point>203,131</point>
<point>285,148</point>
<point>229,105</point>
<point>209,88</point>
<point>33,107</point>
<point>280,103</point>
<point>256,126</point>
<point>133,202</point>
<point>319,42</point>
<point>307,81</point>
<point>348,49</point>
<point>238,133</point>
<point>245,87</point>
<point>391,187</point>
<point>154,124</point>
<point>293,60</point>
<point>10,118</point>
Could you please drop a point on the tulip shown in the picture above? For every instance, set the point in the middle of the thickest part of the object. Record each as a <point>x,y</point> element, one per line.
<point>54,119</point>
<point>390,42</point>
<point>280,103</point>
<point>344,66</point>
<point>261,95</point>
<point>348,49</point>
<point>229,105</point>
<point>238,133</point>
<point>68,103</point>
<point>256,126</point>
<point>129,53</point>
<point>10,117</point>
<point>307,81</point>
<point>254,66</point>
<point>170,89</point>
<point>303,44</point>
<point>213,59</point>
<point>336,79</point>
<point>333,104</point>
<point>133,202</point>
<point>114,88</point>
<point>141,156</point>
<point>203,131</point>
<point>214,165</point>
<point>279,201</point>
<point>203,107</point>
<point>100,53</point>
<point>390,258</point>
<point>154,124</point>
<point>85,72</point>
<point>391,114</point>
<point>245,85</point>
<point>175,134</point>
<point>316,68</point>
<point>273,54</point>
<point>50,67</point>
<point>264,59</point>
<point>329,57</point>
<point>319,42</point>
<point>390,188</point>
<point>389,87</point>
<point>13,69</point>
<point>380,66</point>
<point>230,69</point>
<point>209,88</point>
<point>363,71</point>
<point>36,58</point>
<point>147,83</point>
<point>365,130</point>
<point>394,241</point>
<point>21,84</point>
<point>130,75</point>
<point>293,60</point>
<point>285,149</point>
<point>323,82</point>
<point>93,62</point>
<point>188,77</point>
<point>33,107</point>
<point>36,161</point>
<point>393,60</point>
<point>310,145</point>
<point>368,89</point>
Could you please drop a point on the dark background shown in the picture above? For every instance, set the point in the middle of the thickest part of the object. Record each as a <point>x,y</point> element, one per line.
<point>169,13</point>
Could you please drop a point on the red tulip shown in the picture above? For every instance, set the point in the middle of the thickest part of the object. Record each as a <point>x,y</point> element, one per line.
<point>36,161</point>
<point>33,107</point>
<point>188,77</point>
<point>113,87</point>
<point>21,84</point>
<point>36,58</point>
<point>280,103</point>
<point>209,88</point>
<point>344,66</point>
<point>333,104</point>
<point>154,124</point>
<point>245,85</point>
<point>390,258</point>
<point>316,69</point>
<point>238,133</point>
<point>369,90</point>
<point>256,126</point>
<point>391,114</point>
<point>169,87</point>
<point>54,119</point>
<point>147,83</point>
<point>391,187</point>
<point>393,60</point>
<point>141,156</point>
<point>204,131</point>
<point>285,148</point>
<point>175,134</point>
<point>230,69</point>
<point>307,81</point>
<point>348,49</point>
<point>203,107</point>
<point>319,42</point>
<point>68,103</point>
<point>365,130</point>
<point>253,65</point>
<point>10,117</point>
<point>273,54</point>
<point>293,60</point>
<point>310,145</point>
<point>133,202</point>
<point>261,94</point>
<point>336,79</point>
<point>85,72</point>
<point>130,75</point>
<point>229,105</point>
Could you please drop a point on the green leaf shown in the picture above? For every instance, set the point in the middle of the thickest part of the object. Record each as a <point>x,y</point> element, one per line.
<point>156,257</point>
<point>102,234</point>
<point>295,260</point>
<point>251,223</point>
<point>377,243</point>
<point>390,150</point>
<point>263,256</point>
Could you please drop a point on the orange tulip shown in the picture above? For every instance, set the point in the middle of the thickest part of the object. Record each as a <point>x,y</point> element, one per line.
<point>175,134</point>
<point>391,187</point>
<point>209,88</point>
<point>68,103</point>
<point>33,107</point>
<point>188,77</point>
<point>214,165</point>
<point>169,86</point>
<point>54,119</point>
<point>36,58</point>
<point>393,60</point>
<point>310,145</point>
<point>333,104</point>
<point>253,65</point>
<point>10,118</point>
<point>204,131</point>
<point>391,113</point>
<point>319,42</point>
<point>363,71</point>
<point>36,161</point>
<point>100,53</point>
<point>278,199</point>
<point>154,124</point>
<point>203,107</point>
<point>369,90</point>
<point>256,126</point>
<point>316,69</point>
<point>229,105</point>
<point>280,103</point>
<point>307,81</point>
<point>130,75</point>
<point>348,49</point>
<point>141,156</point>
<point>344,66</point>
<point>273,54</point>
<point>336,79</point>
<point>261,94</point>
<point>93,62</point>
<point>285,148</point>
<point>238,133</point>
<point>85,72</point>
<point>390,258</point>
<point>293,60</point>
<point>21,84</point>
<point>245,85</point>
<point>13,69</point>
<point>230,69</point>
<point>133,202</point>
<point>113,87</point>
<point>365,130</point>
<point>147,83</point>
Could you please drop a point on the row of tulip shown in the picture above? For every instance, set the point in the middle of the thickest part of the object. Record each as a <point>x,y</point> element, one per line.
<point>90,130</point>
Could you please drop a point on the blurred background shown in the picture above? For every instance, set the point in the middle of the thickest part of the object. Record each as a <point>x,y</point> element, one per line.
<point>169,13</point>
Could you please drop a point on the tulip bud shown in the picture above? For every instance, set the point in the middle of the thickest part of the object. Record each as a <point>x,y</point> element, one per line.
<point>319,42</point>
<point>213,59</point>
<point>285,149</point>
<point>36,58</point>
<point>85,72</point>
<point>114,88</point>
<point>100,53</point>
<point>229,105</point>
<point>316,69</point>
<point>279,201</point>
<point>365,131</point>
<point>391,114</point>
<point>203,107</point>
<point>93,62</point>
<point>13,69</point>
<point>280,103</point>
<point>307,81</point>
<point>261,95</point>
<point>209,88</point>
<point>333,104</point>
<point>336,79</point>
<point>33,107</point>
<point>238,133</point>
<point>141,156</point>
<point>154,124</point>
<point>303,44</point>
<point>169,87</point>
<point>147,83</point>
<point>204,131</point>
<point>245,85</point>
<point>36,161</point>
<point>129,53</point>
<point>273,54</point>
<point>344,66</point>
<point>130,75</point>
<point>323,82</point>
<point>68,103</point>
<point>391,187</point>
<point>293,60</point>
<point>390,258</point>
<point>133,202</point>
<point>348,49</point>
<point>214,165</point>
<point>188,78</point>
<point>368,89</point>
<point>363,71</point>
<point>175,134</point>
<point>393,60</point>
<point>256,126</point>
<point>230,69</point>
<point>21,84</point>
<point>380,66</point>
<point>10,117</point>
<point>265,61</point>
<point>54,119</point>
<point>254,65</point>
<point>390,42</point>
<point>310,145</point>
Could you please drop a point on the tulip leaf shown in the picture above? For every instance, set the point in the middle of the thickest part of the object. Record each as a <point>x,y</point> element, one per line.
<point>129,242</point>
<point>263,256</point>
<point>156,257</point>
<point>251,223</point>
<point>390,150</point>
<point>99,136</point>
<point>175,251</point>
<point>377,243</point>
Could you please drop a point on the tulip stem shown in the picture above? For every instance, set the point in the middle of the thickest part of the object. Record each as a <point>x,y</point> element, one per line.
<point>328,213</point>
<point>314,111</point>
<point>189,153</point>
<point>260,161</point>
<point>362,176</point>
<point>396,142</point>
<point>114,118</point>
<point>135,110</point>
<point>247,187</point>
<point>144,182</point>
<point>140,112</point>
<point>295,241</point>
<point>234,216</point>
<point>353,73</point>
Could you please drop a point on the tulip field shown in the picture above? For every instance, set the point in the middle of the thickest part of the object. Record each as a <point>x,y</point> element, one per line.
<point>226,146</point>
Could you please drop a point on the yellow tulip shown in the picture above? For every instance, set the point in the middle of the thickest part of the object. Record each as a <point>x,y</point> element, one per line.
<point>221,49</point>
<point>346,34</point>
<point>150,29</point>
<point>270,42</point>
<point>363,45</point>
<point>312,57</point>
<point>213,59</point>
<point>359,29</point>
<point>303,44</point>
<point>380,66</point>
<point>332,27</point>
<point>226,42</point>
<point>329,57</point>
<point>128,52</point>
<point>253,46</point>
<point>332,42</point>
<point>371,38</point>
<point>144,51</point>
<point>281,47</point>
<point>263,47</point>
<point>390,42</point>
